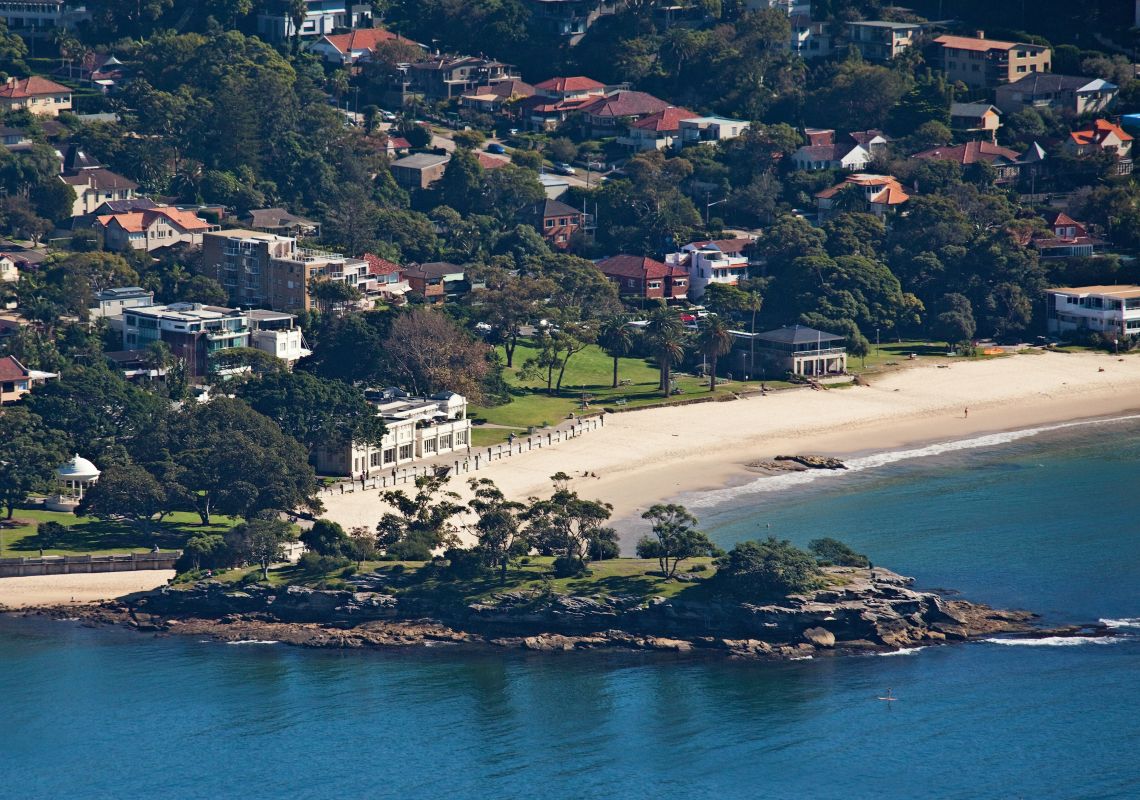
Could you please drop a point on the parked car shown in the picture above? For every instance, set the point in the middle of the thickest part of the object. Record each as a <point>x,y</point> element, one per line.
<point>562,168</point>
<point>496,148</point>
<point>387,116</point>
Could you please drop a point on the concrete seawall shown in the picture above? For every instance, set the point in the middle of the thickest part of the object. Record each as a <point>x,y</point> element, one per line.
<point>66,565</point>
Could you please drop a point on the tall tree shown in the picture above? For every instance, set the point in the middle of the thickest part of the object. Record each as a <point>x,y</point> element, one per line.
<point>127,493</point>
<point>675,538</point>
<point>566,524</point>
<point>498,528</point>
<point>261,541</point>
<point>28,457</point>
<point>429,353</point>
<point>665,337</point>
<point>616,338</point>
<point>714,341</point>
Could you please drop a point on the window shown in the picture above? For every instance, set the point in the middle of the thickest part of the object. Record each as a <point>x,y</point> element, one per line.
<point>562,221</point>
<point>550,223</point>
<point>374,459</point>
<point>1021,68</point>
<point>429,446</point>
<point>445,442</point>
<point>390,455</point>
<point>655,284</point>
<point>405,452</point>
<point>461,436</point>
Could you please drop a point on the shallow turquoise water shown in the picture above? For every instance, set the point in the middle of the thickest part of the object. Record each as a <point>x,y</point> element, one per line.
<point>1046,523</point>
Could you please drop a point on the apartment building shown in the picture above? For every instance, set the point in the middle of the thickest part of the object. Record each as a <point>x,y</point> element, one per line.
<point>880,41</point>
<point>267,269</point>
<point>193,331</point>
<point>988,63</point>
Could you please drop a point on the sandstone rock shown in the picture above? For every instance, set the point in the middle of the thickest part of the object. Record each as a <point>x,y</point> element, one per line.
<point>820,637</point>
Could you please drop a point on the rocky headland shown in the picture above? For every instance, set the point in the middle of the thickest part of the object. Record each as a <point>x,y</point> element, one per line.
<point>859,612</point>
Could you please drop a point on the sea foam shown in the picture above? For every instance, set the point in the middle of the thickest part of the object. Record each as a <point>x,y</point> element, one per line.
<point>903,651</point>
<point>1056,641</point>
<point>1127,622</point>
<point>255,641</point>
<point>775,483</point>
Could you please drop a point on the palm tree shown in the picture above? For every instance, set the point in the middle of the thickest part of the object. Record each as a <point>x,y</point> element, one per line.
<point>616,339</point>
<point>755,301</point>
<point>714,340</point>
<point>666,338</point>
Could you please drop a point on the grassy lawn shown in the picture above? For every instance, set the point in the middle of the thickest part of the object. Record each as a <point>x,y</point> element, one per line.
<point>89,535</point>
<point>891,353</point>
<point>589,372</point>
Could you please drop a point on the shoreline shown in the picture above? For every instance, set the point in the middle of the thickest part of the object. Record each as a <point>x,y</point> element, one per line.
<point>653,455</point>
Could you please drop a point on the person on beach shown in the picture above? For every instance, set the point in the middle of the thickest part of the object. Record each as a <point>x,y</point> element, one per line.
<point>966,413</point>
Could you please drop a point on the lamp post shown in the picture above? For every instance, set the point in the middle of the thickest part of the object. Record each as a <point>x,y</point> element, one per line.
<point>710,205</point>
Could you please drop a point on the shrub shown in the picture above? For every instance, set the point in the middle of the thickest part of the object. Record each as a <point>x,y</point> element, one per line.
<point>50,533</point>
<point>464,564</point>
<point>699,568</point>
<point>317,564</point>
<point>566,567</point>
<point>828,551</point>
<point>766,570</point>
<point>410,550</point>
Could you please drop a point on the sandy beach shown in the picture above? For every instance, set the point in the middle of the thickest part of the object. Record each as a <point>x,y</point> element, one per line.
<point>43,590</point>
<point>643,457</point>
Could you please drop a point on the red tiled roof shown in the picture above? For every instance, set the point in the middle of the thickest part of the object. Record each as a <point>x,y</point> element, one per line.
<point>625,104</point>
<point>578,83</point>
<point>360,39</point>
<point>971,43</point>
<point>380,266</point>
<point>399,143</point>
<point>969,153</point>
<point>11,369</point>
<point>138,221</point>
<point>1101,129</point>
<point>490,162</point>
<point>727,246</point>
<point>890,191</point>
<point>21,88</point>
<point>667,120</point>
<point>628,266</point>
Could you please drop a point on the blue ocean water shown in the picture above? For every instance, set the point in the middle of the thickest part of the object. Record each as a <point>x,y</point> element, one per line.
<point>1045,522</point>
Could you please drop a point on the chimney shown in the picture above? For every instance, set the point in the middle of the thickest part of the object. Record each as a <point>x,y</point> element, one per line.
<point>980,34</point>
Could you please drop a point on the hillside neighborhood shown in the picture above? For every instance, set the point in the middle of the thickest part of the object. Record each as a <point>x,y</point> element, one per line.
<point>353,238</point>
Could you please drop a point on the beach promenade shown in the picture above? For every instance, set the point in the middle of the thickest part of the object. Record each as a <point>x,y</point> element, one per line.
<point>646,456</point>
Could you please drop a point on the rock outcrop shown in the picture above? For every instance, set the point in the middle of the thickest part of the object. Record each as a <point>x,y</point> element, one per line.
<point>859,611</point>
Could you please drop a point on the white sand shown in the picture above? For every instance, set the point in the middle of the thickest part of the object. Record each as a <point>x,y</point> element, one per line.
<point>643,457</point>
<point>45,590</point>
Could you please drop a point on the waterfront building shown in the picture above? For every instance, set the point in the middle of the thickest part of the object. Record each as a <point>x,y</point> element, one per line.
<point>796,350</point>
<point>72,480</point>
<point>1109,310</point>
<point>416,428</point>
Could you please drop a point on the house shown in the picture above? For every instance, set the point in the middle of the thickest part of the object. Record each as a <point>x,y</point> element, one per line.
<point>1109,310</point>
<point>578,87</point>
<point>122,207</point>
<point>273,271</point>
<point>349,49</point>
<point>714,261</point>
<point>1069,238</point>
<point>280,221</point>
<point>415,428</point>
<point>94,186</point>
<point>395,146</point>
<point>496,98</point>
<point>101,70</point>
<point>556,221</point>
<point>798,350</point>
<point>1072,95</point>
<point>277,334</point>
<point>821,152</point>
<point>700,130</point>
<point>881,42</point>
<point>419,171</point>
<point>38,18</point>
<point>1103,137</point>
<point>35,94</point>
<point>980,120</point>
<point>658,131</point>
<point>14,138</point>
<point>275,23</point>
<point>1007,162</point>
<point>16,380</point>
<point>388,279</point>
<point>873,194</point>
<point>556,99</point>
<point>569,19</point>
<point>644,277</point>
<point>605,114</point>
<point>445,77</point>
<point>983,63</point>
<point>152,229</point>
<point>113,302</point>
<point>9,269</point>
<point>437,281</point>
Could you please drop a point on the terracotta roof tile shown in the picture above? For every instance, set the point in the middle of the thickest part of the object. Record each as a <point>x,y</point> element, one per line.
<point>359,39</point>
<point>34,86</point>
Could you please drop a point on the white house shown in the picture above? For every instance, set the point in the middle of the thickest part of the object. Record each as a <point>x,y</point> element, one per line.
<point>113,302</point>
<point>715,261</point>
<point>851,157</point>
<point>1112,310</point>
<point>417,428</point>
<point>9,270</point>
<point>277,333</point>
<point>698,130</point>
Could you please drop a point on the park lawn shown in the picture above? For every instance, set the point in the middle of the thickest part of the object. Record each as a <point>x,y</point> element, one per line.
<point>590,373</point>
<point>891,354</point>
<point>90,535</point>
